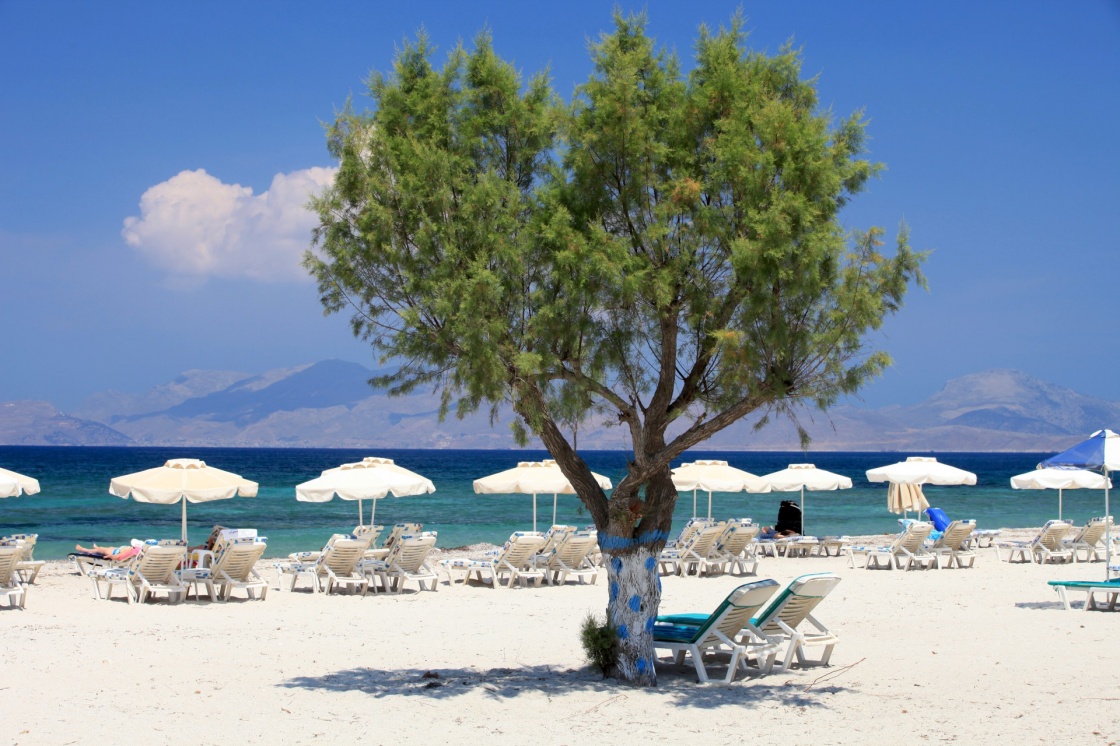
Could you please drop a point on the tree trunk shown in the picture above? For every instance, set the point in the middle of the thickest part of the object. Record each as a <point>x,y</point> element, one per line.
<point>638,531</point>
<point>635,596</point>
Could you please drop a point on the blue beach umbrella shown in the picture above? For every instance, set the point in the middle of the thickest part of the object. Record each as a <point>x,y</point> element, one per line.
<point>1101,452</point>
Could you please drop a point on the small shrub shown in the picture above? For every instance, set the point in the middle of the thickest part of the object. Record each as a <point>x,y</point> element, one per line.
<point>600,643</point>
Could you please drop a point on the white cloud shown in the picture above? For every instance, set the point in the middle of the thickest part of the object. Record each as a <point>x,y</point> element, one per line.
<point>193,225</point>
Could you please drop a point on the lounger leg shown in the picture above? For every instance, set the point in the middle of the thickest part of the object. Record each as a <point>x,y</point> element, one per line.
<point>697,661</point>
<point>737,655</point>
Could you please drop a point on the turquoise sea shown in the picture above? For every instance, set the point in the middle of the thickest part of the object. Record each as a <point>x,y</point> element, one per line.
<point>75,505</point>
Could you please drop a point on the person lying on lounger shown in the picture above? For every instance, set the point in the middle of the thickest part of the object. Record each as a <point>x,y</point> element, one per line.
<point>768,532</point>
<point>116,554</point>
<point>210,542</point>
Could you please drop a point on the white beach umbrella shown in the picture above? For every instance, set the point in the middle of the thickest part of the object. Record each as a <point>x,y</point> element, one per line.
<point>371,478</point>
<point>182,479</point>
<point>715,476</point>
<point>533,478</point>
<point>806,477</point>
<point>1060,479</point>
<point>916,471</point>
<point>14,485</point>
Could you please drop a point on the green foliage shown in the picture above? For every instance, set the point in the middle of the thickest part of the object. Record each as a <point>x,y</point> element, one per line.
<point>600,644</point>
<point>664,251</point>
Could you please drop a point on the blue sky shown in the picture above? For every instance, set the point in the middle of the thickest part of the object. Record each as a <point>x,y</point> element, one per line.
<point>997,122</point>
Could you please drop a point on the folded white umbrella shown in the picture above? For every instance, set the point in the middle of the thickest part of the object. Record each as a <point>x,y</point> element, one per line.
<point>182,479</point>
<point>902,498</point>
<point>715,476</point>
<point>533,478</point>
<point>806,477</point>
<point>14,485</point>
<point>1060,479</point>
<point>371,478</point>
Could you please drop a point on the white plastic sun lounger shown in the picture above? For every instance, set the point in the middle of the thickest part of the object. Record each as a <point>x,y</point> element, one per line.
<point>514,561</point>
<point>406,561</point>
<point>1045,547</point>
<point>150,572</point>
<point>10,586</point>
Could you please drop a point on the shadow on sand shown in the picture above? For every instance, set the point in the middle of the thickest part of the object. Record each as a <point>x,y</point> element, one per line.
<point>797,689</point>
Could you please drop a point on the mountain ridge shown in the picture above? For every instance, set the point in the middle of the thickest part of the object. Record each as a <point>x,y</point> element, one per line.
<point>331,404</point>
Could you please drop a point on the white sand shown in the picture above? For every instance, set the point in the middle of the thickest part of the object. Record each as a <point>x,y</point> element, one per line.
<point>985,655</point>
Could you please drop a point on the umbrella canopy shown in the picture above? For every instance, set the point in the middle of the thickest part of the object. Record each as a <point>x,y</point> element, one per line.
<point>1060,479</point>
<point>533,478</point>
<point>182,479</point>
<point>715,476</point>
<point>921,470</point>
<point>14,485</point>
<point>806,477</point>
<point>1100,452</point>
<point>371,478</point>
<point>902,498</point>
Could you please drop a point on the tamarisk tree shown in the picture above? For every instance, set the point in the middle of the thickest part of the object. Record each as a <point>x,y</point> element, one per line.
<point>664,250</point>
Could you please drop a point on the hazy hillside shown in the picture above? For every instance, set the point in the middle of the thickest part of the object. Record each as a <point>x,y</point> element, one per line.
<point>37,423</point>
<point>330,404</point>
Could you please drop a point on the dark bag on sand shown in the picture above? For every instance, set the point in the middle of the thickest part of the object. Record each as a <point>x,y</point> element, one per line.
<point>789,517</point>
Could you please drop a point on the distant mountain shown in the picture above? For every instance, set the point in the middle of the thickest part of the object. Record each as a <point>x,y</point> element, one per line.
<point>323,385</point>
<point>995,410</point>
<point>112,405</point>
<point>330,404</point>
<point>37,423</point>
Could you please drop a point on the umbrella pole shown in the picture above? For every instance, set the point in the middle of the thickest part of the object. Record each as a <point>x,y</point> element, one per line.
<point>803,511</point>
<point>534,511</point>
<point>185,515</point>
<point>1107,531</point>
<point>693,502</point>
<point>372,510</point>
<point>709,506</point>
<point>360,512</point>
<point>1060,504</point>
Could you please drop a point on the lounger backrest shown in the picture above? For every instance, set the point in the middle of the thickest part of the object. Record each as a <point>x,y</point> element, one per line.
<point>703,540</point>
<point>690,528</point>
<point>158,562</point>
<point>737,537</point>
<point>1051,535</point>
<point>732,615</point>
<point>913,537</point>
<point>411,552</point>
<point>341,554</point>
<point>1092,532</point>
<point>796,602</point>
<point>955,534</point>
<point>554,537</point>
<point>521,546</point>
<point>368,533</point>
<point>10,554</point>
<point>574,549</point>
<point>26,544</point>
<point>238,557</point>
<point>399,530</point>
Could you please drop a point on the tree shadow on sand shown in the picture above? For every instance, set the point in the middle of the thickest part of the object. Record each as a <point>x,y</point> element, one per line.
<point>809,688</point>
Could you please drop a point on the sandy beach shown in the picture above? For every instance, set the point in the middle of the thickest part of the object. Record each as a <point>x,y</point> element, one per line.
<point>980,655</point>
